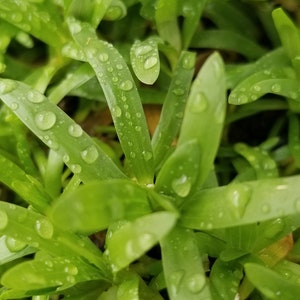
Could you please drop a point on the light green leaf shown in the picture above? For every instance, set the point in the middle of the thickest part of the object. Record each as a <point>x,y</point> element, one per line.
<point>135,238</point>
<point>242,203</point>
<point>144,59</point>
<point>58,131</point>
<point>205,112</point>
<point>96,205</point>
<point>271,284</point>
<point>122,98</point>
<point>182,265</point>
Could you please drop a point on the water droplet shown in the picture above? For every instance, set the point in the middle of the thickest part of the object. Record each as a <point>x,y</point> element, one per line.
<point>242,99</point>
<point>17,17</point>
<point>265,208</point>
<point>150,62</point>
<point>71,269</point>
<point>110,69</point>
<point>90,154</point>
<point>7,85</point>
<point>14,106</point>
<point>35,97</point>
<point>127,115</point>
<point>132,154</point>
<point>49,263</point>
<point>75,168</point>
<point>14,245</point>
<point>257,88</point>
<point>176,280</point>
<point>195,283</point>
<point>70,279</point>
<point>119,66</point>
<point>45,120</point>
<point>147,155</point>
<point>142,50</point>
<point>182,186</point>
<point>103,57</point>
<point>146,240</point>
<point>75,27</point>
<point>126,85</point>
<point>276,88</point>
<point>237,198</point>
<point>75,130</point>
<point>3,219</point>
<point>138,128</point>
<point>178,92</point>
<point>274,228</point>
<point>44,228</point>
<point>188,62</point>
<point>66,158</point>
<point>199,103</point>
<point>116,111</point>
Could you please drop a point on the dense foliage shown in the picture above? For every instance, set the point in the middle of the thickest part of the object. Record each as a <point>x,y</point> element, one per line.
<point>149,149</point>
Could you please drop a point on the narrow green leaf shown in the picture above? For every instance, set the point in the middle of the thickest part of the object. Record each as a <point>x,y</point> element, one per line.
<point>129,290</point>
<point>227,40</point>
<point>58,131</point>
<point>122,98</point>
<point>53,272</point>
<point>42,21</point>
<point>135,238</point>
<point>182,264</point>
<point>144,59</point>
<point>166,22</point>
<point>116,11</point>
<point>26,186</point>
<point>242,203</point>
<point>96,205</point>
<point>205,112</point>
<point>173,105</point>
<point>294,137</point>
<point>271,284</point>
<point>179,173</point>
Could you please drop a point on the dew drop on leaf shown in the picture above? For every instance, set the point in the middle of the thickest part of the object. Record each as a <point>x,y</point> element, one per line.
<point>182,186</point>
<point>276,88</point>
<point>116,111</point>
<point>126,85</point>
<point>75,168</point>
<point>265,208</point>
<point>75,27</point>
<point>188,62</point>
<point>17,17</point>
<point>195,283</point>
<point>14,106</point>
<point>178,92</point>
<point>71,269</point>
<point>3,219</point>
<point>242,99</point>
<point>147,155</point>
<point>44,228</point>
<point>142,50</point>
<point>14,245</point>
<point>7,86</point>
<point>35,97</point>
<point>199,103</point>
<point>237,198</point>
<point>75,130</point>
<point>103,57</point>
<point>150,62</point>
<point>175,280</point>
<point>90,154</point>
<point>45,120</point>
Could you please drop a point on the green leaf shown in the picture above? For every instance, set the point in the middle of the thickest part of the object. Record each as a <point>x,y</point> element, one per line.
<point>271,284</point>
<point>166,22</point>
<point>122,98</point>
<point>205,112</point>
<point>135,238</point>
<point>96,205</point>
<point>182,265</point>
<point>242,203</point>
<point>53,272</point>
<point>58,131</point>
<point>144,59</point>
<point>117,10</point>
<point>173,105</point>
<point>42,21</point>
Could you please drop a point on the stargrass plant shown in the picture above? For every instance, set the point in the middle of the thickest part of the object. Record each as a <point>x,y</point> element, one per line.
<point>149,149</point>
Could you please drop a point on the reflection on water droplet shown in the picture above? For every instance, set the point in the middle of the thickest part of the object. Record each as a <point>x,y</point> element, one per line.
<point>126,85</point>
<point>44,228</point>
<point>242,99</point>
<point>7,85</point>
<point>147,155</point>
<point>182,186</point>
<point>116,111</point>
<point>103,57</point>
<point>195,283</point>
<point>75,130</point>
<point>76,169</point>
<point>45,120</point>
<point>257,88</point>
<point>3,219</point>
<point>71,269</point>
<point>238,197</point>
<point>150,62</point>
<point>75,27</point>
<point>90,154</point>
<point>276,88</point>
<point>35,97</point>
<point>199,103</point>
<point>14,245</point>
<point>138,128</point>
<point>188,61</point>
<point>178,92</point>
<point>142,50</point>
